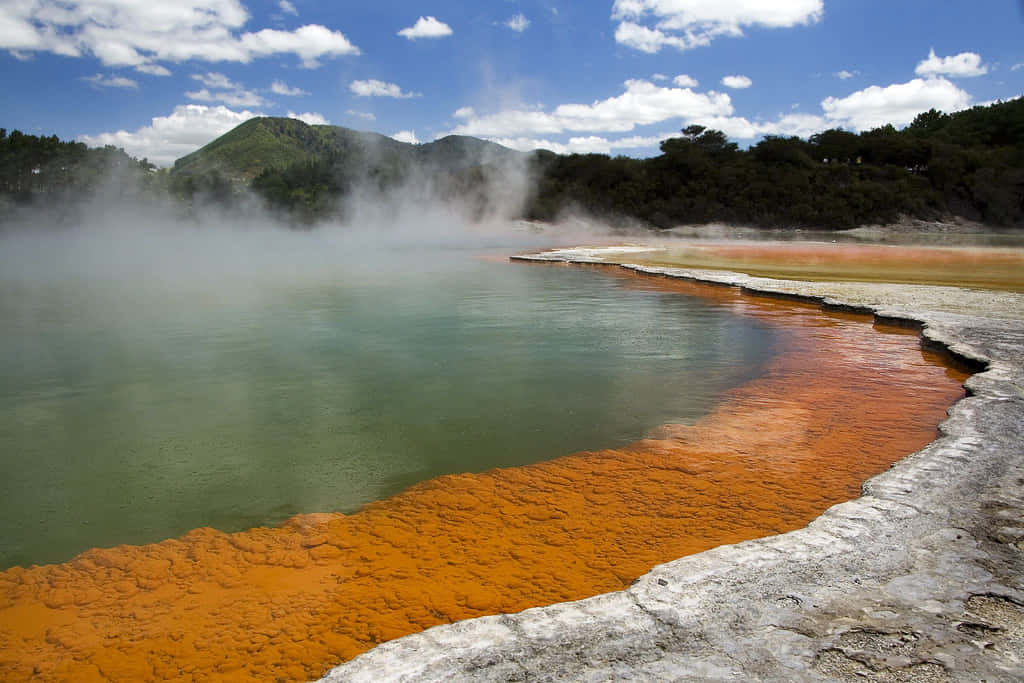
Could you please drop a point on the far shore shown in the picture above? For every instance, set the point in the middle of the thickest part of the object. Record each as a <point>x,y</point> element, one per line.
<point>956,253</point>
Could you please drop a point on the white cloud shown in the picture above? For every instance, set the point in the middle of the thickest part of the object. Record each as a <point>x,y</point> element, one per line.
<point>212,79</point>
<point>865,109</point>
<point>684,81</point>
<point>651,40</point>
<point>242,98</point>
<point>152,70</point>
<point>364,115</point>
<point>643,103</point>
<point>659,77</point>
<point>287,7</point>
<point>685,24</point>
<point>406,136</point>
<point>897,104</point>
<point>963,65</point>
<point>171,137</point>
<point>590,144</point>
<point>123,33</point>
<point>1017,67</point>
<point>518,23</point>
<point>310,42</point>
<point>845,75</point>
<point>227,91</point>
<point>737,82</point>
<point>375,88</point>
<point>282,88</point>
<point>426,27</point>
<point>464,113</point>
<point>802,125</point>
<point>101,81</point>
<point>989,103</point>
<point>313,118</point>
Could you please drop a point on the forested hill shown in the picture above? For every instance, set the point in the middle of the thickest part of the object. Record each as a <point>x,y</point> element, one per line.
<point>266,143</point>
<point>308,171</point>
<point>970,163</point>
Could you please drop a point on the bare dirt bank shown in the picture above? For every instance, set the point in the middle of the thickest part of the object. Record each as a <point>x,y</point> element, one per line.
<point>921,578</point>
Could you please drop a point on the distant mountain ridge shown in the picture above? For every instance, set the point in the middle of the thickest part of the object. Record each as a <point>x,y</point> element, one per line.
<point>276,142</point>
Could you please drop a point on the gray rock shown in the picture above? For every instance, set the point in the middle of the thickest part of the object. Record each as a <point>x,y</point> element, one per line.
<point>919,579</point>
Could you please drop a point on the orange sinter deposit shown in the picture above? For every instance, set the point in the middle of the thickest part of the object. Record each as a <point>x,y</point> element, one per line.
<point>985,267</point>
<point>837,404</point>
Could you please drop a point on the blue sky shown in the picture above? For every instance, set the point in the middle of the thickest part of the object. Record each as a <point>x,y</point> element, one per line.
<point>163,77</point>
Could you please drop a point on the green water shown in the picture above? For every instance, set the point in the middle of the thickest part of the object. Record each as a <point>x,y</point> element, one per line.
<point>142,398</point>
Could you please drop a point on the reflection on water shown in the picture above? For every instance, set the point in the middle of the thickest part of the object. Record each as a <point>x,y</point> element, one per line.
<point>135,412</point>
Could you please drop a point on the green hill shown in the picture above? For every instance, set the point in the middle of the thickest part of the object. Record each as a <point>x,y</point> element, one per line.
<point>270,142</point>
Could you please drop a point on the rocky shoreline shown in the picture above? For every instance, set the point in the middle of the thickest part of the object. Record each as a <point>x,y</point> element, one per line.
<point>921,578</point>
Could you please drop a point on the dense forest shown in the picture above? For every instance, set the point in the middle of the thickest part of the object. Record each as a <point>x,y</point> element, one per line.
<point>59,178</point>
<point>969,163</point>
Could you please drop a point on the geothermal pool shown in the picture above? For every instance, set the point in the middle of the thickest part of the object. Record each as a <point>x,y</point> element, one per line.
<point>201,382</point>
<point>173,384</point>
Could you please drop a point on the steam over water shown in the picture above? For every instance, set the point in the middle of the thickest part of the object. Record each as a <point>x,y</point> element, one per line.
<point>153,381</point>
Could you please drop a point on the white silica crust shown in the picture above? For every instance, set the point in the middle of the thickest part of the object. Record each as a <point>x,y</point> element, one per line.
<point>919,579</point>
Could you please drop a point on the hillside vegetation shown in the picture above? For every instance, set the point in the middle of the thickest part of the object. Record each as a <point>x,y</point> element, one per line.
<point>970,163</point>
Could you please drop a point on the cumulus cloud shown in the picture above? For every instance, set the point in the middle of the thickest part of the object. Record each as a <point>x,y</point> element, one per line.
<point>684,81</point>
<point>865,109</point>
<point>101,81</point>
<point>1017,67</point>
<point>137,34</point>
<point>897,104</point>
<point>406,136</point>
<point>313,118</point>
<point>642,103</point>
<point>212,79</point>
<point>364,115</point>
<point>375,88</point>
<point>801,125</point>
<point>741,128</point>
<point>518,23</point>
<point>649,25</point>
<point>220,88</point>
<point>737,82</point>
<point>242,98</point>
<point>426,27</point>
<point>186,129</point>
<point>591,144</point>
<point>652,40</point>
<point>845,75</point>
<point>282,88</point>
<point>310,42</point>
<point>287,7</point>
<point>153,70</point>
<point>963,65</point>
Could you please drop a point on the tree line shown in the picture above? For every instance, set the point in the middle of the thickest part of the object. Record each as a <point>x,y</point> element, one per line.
<point>969,163</point>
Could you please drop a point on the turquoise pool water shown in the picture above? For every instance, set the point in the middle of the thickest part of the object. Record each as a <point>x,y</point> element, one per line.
<point>152,390</point>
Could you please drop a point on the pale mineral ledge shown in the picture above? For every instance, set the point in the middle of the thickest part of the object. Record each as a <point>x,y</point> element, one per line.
<point>919,579</point>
